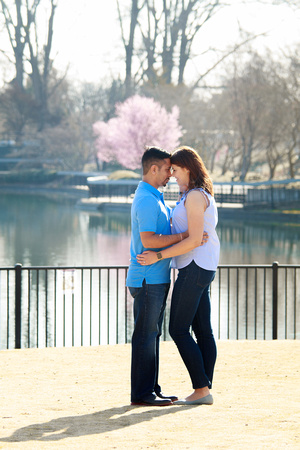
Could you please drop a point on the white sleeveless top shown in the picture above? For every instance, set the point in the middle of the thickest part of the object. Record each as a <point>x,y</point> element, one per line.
<point>207,255</point>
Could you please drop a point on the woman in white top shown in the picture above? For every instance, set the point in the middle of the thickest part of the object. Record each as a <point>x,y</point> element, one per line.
<point>196,264</point>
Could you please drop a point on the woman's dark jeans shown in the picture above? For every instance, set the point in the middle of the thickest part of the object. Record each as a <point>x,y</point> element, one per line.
<point>149,307</point>
<point>190,306</point>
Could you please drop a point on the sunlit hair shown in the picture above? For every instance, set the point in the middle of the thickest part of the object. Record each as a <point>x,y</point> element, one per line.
<point>153,155</point>
<point>187,157</point>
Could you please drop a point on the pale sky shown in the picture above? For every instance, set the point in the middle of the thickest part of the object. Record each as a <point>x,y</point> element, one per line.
<point>87,34</point>
<point>90,35</point>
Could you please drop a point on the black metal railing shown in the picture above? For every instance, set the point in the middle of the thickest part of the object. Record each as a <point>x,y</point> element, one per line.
<point>125,189</point>
<point>82,306</point>
<point>224,193</point>
<point>273,196</point>
<point>236,193</point>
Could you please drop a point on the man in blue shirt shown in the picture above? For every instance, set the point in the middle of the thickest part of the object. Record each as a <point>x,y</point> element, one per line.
<point>149,285</point>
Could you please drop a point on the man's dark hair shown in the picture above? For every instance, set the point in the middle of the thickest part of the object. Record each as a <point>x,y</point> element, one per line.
<point>153,155</point>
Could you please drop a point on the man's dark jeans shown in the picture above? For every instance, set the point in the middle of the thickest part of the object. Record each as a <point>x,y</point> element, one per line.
<point>149,306</point>
<point>190,306</point>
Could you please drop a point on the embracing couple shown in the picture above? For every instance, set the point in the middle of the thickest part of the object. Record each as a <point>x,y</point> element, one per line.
<point>160,236</point>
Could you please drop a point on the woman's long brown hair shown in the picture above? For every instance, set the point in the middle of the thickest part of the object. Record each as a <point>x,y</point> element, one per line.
<point>188,158</point>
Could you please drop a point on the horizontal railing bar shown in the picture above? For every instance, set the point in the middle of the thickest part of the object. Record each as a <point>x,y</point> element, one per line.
<point>66,267</point>
<point>221,266</point>
<point>42,304</point>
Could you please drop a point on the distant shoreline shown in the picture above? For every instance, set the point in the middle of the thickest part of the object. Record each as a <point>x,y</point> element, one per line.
<point>258,215</point>
<point>80,196</point>
<point>70,193</point>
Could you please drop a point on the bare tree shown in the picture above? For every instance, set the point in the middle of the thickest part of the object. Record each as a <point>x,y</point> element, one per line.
<point>276,110</point>
<point>18,110</point>
<point>292,85</point>
<point>192,19</point>
<point>176,24</point>
<point>129,44</point>
<point>13,21</point>
<point>22,23</point>
<point>257,115</point>
<point>247,104</point>
<point>163,45</point>
<point>282,130</point>
<point>40,61</point>
<point>160,40</point>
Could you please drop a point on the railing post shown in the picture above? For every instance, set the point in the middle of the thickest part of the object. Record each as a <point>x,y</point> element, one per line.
<point>18,303</point>
<point>275,299</point>
<point>272,198</point>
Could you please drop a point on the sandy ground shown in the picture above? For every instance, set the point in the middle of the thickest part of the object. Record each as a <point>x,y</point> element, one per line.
<point>79,398</point>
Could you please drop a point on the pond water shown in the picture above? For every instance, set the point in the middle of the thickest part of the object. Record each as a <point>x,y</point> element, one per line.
<point>36,230</point>
<point>40,231</point>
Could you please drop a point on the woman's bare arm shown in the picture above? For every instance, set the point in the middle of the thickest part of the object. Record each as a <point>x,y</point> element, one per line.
<point>195,206</point>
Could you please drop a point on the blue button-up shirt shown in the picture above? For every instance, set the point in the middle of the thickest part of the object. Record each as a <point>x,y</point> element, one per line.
<point>148,213</point>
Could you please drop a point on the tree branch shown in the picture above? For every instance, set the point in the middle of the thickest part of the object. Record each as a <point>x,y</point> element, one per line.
<point>233,50</point>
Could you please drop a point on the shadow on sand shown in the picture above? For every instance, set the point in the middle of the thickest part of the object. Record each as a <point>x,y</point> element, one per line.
<point>88,424</point>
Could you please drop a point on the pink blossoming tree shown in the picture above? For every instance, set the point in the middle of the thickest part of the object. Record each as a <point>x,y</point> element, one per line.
<point>139,122</point>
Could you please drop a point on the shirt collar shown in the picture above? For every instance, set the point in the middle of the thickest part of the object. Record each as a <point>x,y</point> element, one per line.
<point>148,187</point>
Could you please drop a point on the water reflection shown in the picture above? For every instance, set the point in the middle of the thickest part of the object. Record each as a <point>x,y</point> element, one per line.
<point>36,230</point>
<point>110,222</point>
<point>39,231</point>
<point>249,243</point>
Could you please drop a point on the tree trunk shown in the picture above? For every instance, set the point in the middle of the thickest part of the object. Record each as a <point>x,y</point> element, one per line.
<point>41,67</point>
<point>19,47</point>
<point>170,39</point>
<point>16,39</point>
<point>129,47</point>
<point>291,163</point>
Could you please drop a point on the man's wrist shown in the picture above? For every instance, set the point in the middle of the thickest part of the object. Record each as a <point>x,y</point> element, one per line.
<point>159,255</point>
